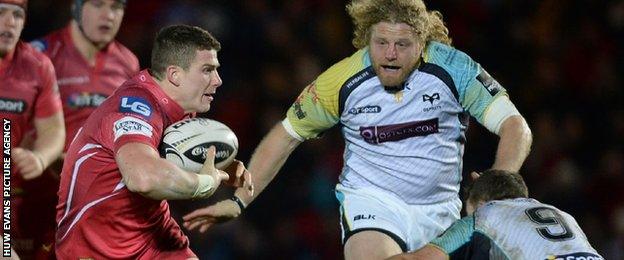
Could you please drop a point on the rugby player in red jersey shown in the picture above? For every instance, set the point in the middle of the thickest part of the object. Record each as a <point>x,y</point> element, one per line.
<point>114,185</point>
<point>90,64</point>
<point>29,99</point>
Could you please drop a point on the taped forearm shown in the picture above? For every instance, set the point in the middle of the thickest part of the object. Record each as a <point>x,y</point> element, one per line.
<point>497,112</point>
<point>205,186</point>
<point>161,180</point>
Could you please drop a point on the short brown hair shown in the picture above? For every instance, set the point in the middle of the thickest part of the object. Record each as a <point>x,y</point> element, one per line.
<point>177,45</point>
<point>497,185</point>
<point>428,25</point>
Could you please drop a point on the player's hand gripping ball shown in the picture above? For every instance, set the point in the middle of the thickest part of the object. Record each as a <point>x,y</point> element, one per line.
<point>185,143</point>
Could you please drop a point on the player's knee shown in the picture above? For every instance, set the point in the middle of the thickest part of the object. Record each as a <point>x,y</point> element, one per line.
<point>370,245</point>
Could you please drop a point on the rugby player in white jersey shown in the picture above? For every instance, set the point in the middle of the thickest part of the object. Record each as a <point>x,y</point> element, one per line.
<point>403,101</point>
<point>503,223</point>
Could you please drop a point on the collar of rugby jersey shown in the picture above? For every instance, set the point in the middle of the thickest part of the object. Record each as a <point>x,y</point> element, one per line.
<point>172,109</point>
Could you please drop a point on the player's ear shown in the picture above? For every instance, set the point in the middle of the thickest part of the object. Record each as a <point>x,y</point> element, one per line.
<point>173,75</point>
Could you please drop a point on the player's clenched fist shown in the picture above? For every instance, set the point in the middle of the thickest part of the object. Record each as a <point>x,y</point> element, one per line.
<point>28,163</point>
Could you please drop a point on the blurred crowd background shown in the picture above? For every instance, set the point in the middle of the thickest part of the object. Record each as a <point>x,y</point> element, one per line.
<point>561,61</point>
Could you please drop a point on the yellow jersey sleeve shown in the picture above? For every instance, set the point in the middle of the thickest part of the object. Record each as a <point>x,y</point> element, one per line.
<point>316,108</point>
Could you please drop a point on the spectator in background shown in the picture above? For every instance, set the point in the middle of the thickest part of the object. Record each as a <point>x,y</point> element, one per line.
<point>29,99</point>
<point>403,100</point>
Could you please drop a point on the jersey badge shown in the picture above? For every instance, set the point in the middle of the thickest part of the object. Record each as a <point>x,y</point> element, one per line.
<point>432,98</point>
<point>492,86</point>
<point>135,105</point>
<point>131,126</point>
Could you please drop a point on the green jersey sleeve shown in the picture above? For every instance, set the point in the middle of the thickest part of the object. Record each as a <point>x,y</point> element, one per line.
<point>456,237</point>
<point>476,88</point>
<point>316,108</point>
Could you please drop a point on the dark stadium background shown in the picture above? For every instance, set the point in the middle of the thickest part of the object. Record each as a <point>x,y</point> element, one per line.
<point>561,62</point>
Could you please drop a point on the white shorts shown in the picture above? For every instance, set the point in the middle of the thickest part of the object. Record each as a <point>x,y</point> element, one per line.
<point>411,226</point>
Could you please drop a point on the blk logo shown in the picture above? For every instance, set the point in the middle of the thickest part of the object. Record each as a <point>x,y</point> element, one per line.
<point>435,96</point>
<point>359,217</point>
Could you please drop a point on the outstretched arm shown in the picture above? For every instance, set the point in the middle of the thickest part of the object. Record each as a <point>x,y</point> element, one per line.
<point>514,144</point>
<point>266,161</point>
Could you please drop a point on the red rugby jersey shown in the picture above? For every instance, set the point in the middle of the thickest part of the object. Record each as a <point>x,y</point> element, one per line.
<point>84,87</point>
<point>28,90</point>
<point>97,216</point>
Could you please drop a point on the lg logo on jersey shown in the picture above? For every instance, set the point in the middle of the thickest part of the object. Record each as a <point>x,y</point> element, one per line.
<point>135,105</point>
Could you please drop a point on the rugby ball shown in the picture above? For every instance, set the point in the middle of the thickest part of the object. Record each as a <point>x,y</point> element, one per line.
<point>186,142</point>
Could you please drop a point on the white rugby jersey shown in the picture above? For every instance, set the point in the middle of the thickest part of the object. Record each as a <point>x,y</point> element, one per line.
<point>516,229</point>
<point>409,142</point>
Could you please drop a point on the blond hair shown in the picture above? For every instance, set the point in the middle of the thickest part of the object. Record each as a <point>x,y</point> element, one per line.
<point>428,25</point>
